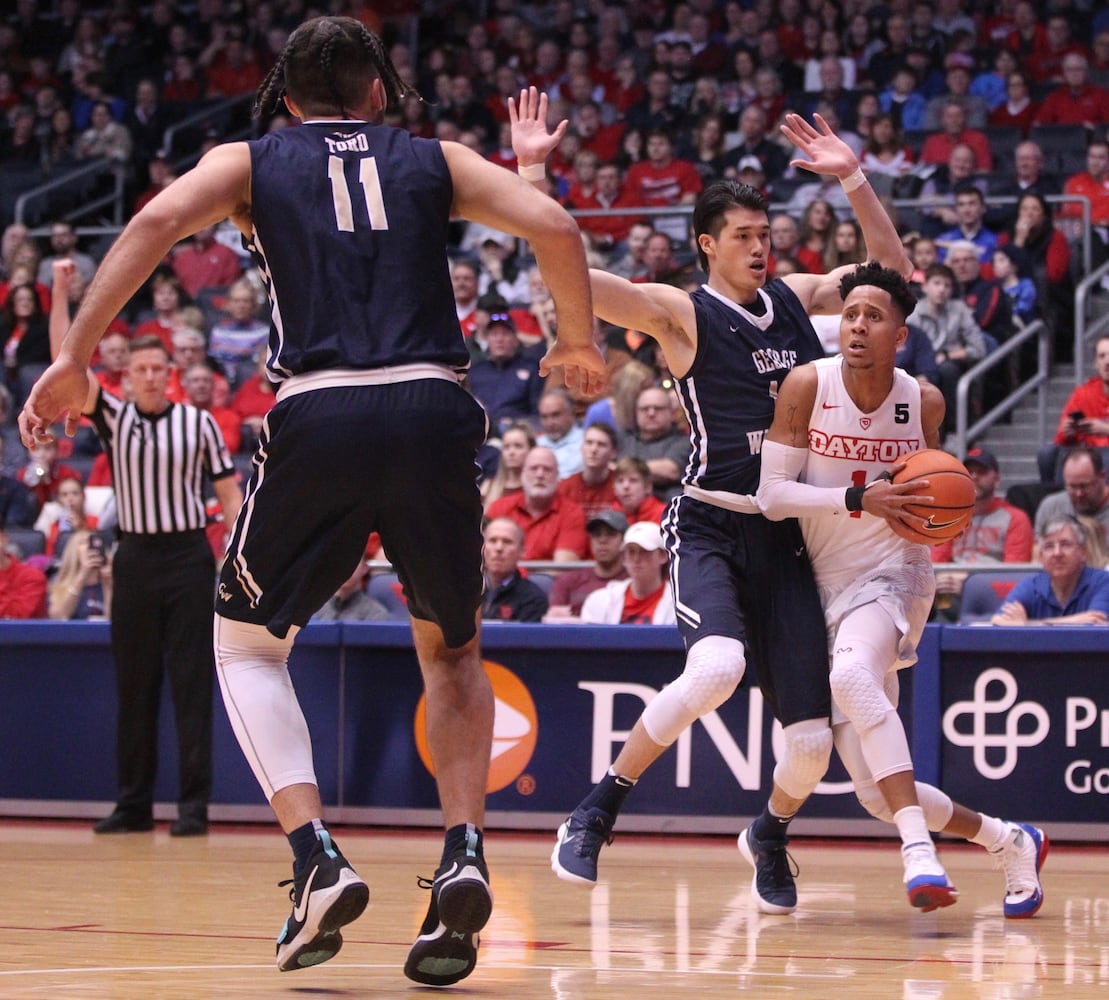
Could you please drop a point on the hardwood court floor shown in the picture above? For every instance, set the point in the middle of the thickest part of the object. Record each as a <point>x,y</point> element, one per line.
<point>146,917</point>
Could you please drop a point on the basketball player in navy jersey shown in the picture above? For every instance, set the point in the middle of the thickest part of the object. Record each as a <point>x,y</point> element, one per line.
<point>742,584</point>
<point>839,426</point>
<point>348,220</point>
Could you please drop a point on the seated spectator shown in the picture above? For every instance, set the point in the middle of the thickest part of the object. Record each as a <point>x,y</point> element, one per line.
<point>1008,269</point>
<point>885,151</point>
<point>105,137</point>
<point>957,77</point>
<point>507,383</point>
<point>903,101</point>
<point>1018,110</point>
<point>630,264</point>
<point>509,596</point>
<point>618,408</point>
<point>160,175</point>
<point>785,241</point>
<point>167,299</point>
<point>644,598</point>
<point>605,232</point>
<point>501,273</point>
<point>937,194</point>
<point>554,528</point>
<point>917,356</point>
<point>63,246</point>
<point>593,487</point>
<point>1027,176</point>
<point>1068,591</point>
<point>847,246</point>
<point>664,179</point>
<point>25,340</point>
<point>1093,183</point>
<point>954,132</point>
<point>351,603</point>
<point>570,589</point>
<point>515,443</point>
<point>65,513</point>
<point>238,338</point>
<point>81,588</point>
<point>955,337</point>
<point>202,262</point>
<point>230,66</point>
<point>818,222</point>
<point>998,532</point>
<point>1077,101</point>
<point>115,353</point>
<point>631,482</point>
<point>561,432</point>
<point>657,441</point>
<point>1084,419</point>
<point>198,382</point>
<point>253,400</point>
<point>986,299</point>
<point>970,211</point>
<point>1084,494</point>
<point>190,348</point>
<point>663,267</point>
<point>22,587</point>
<point>43,473</point>
<point>17,505</point>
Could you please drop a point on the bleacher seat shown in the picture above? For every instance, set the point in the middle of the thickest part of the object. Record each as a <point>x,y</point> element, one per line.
<point>984,593</point>
<point>26,541</point>
<point>542,580</point>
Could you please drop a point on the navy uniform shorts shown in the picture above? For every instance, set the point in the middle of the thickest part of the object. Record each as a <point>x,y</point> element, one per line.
<point>742,576</point>
<point>334,465</point>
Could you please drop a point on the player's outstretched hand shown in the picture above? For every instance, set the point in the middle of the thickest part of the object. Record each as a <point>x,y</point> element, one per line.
<point>827,153</point>
<point>531,141</point>
<point>61,391</point>
<point>583,368</point>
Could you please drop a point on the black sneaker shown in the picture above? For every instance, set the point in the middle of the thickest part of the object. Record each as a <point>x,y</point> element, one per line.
<point>579,844</point>
<point>326,895</point>
<point>461,901</point>
<point>773,885</point>
<point>122,821</point>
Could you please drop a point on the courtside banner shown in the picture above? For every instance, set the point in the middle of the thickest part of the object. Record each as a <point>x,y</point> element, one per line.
<point>1025,721</point>
<point>566,699</point>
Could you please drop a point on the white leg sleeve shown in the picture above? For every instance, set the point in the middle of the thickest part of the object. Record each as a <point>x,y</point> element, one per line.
<point>865,651</point>
<point>252,667</point>
<point>713,667</point>
<point>808,750</point>
<point>936,804</point>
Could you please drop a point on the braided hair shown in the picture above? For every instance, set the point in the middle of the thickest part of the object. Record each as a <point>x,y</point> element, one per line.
<point>326,66</point>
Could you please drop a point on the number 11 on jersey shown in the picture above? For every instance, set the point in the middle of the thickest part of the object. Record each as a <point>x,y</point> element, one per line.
<point>371,190</point>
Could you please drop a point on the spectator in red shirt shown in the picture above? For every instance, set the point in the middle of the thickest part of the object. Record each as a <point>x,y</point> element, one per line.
<point>166,297</point>
<point>1093,184</point>
<point>43,473</point>
<point>198,383</point>
<point>254,399</point>
<point>1077,101</point>
<point>190,348</point>
<point>609,192</point>
<point>1019,110</point>
<point>230,64</point>
<point>1047,64</point>
<point>1084,419</point>
<point>115,353</point>
<point>22,588</point>
<point>554,528</point>
<point>645,597</point>
<point>464,281</point>
<point>593,489</point>
<point>663,179</point>
<point>953,119</point>
<point>595,135</point>
<point>634,498</point>
<point>203,262</point>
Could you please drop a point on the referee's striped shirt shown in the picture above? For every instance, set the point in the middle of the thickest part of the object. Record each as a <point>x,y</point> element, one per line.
<point>158,463</point>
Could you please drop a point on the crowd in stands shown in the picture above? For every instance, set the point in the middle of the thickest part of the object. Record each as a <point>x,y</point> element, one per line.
<point>981,114</point>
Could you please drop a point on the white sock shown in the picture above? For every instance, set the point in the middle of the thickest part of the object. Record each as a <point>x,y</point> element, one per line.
<point>911,825</point>
<point>993,833</point>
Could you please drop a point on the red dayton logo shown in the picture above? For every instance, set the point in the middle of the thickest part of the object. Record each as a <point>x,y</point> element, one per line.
<point>861,449</point>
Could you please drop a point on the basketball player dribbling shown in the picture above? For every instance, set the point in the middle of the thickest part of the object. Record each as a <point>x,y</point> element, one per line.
<point>823,463</point>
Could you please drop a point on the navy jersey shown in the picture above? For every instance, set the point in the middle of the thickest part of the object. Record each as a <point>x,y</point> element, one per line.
<point>728,393</point>
<point>376,202</point>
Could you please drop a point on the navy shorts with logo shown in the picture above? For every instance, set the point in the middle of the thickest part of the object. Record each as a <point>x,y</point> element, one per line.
<point>334,465</point>
<point>748,578</point>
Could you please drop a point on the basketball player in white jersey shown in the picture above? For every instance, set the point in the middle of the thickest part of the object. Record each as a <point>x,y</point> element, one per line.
<point>840,425</point>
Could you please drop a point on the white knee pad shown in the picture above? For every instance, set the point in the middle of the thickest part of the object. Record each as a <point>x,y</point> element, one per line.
<point>937,805</point>
<point>859,694</point>
<point>713,667</point>
<point>873,801</point>
<point>252,667</point>
<point>808,750</point>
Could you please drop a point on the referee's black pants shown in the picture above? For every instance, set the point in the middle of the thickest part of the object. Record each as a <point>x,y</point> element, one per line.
<point>162,623</point>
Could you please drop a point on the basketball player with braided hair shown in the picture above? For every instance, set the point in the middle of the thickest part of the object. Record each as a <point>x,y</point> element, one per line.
<point>839,424</point>
<point>347,220</point>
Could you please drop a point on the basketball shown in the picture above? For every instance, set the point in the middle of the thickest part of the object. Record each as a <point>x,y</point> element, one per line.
<point>952,490</point>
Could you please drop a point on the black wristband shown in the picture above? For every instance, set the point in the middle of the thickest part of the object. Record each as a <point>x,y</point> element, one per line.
<point>853,499</point>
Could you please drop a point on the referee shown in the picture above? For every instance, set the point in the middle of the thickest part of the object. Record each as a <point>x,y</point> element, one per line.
<point>164,576</point>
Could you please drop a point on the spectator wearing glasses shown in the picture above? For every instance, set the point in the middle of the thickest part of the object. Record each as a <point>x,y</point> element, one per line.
<point>657,441</point>
<point>1068,591</point>
<point>1084,494</point>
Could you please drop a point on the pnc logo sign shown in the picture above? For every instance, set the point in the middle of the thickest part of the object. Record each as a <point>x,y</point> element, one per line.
<point>515,728</point>
<point>1005,739</point>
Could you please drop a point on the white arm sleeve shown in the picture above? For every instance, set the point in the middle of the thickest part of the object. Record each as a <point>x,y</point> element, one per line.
<point>781,495</point>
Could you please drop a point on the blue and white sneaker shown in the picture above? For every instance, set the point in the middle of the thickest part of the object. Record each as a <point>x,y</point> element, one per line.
<point>1021,858</point>
<point>461,903</point>
<point>327,894</point>
<point>579,843</point>
<point>925,879</point>
<point>774,882</point>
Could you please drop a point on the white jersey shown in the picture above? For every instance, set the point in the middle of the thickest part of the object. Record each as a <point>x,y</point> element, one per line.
<point>858,559</point>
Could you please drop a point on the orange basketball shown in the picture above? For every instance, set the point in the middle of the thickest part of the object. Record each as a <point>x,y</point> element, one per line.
<point>952,490</point>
